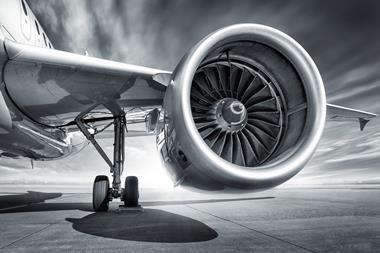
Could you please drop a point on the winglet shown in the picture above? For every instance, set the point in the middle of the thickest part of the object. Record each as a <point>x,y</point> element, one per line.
<point>363,123</point>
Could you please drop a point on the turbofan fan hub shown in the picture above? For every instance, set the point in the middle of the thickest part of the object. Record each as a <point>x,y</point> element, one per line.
<point>237,109</point>
<point>231,114</point>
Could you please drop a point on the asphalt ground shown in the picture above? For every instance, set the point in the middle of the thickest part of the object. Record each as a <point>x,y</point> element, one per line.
<point>335,219</point>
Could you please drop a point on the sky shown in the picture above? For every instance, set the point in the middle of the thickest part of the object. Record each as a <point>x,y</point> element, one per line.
<point>342,37</point>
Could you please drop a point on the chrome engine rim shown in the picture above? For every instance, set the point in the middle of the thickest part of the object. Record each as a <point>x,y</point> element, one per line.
<point>286,164</point>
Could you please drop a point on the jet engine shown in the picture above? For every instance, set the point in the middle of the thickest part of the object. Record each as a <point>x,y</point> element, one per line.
<point>244,110</point>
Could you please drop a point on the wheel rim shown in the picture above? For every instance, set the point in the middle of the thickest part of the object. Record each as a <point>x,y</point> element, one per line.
<point>237,110</point>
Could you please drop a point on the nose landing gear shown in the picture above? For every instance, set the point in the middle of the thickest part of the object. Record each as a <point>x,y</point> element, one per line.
<point>102,192</point>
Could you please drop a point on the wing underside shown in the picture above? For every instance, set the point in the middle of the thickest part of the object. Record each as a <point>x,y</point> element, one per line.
<point>52,87</point>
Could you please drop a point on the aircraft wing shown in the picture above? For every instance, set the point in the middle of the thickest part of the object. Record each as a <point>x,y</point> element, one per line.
<point>60,85</point>
<point>52,87</point>
<point>340,113</point>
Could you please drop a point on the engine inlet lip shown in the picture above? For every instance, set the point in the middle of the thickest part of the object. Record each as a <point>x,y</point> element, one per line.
<point>289,164</point>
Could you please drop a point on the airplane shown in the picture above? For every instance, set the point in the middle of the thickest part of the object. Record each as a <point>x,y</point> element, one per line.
<point>243,110</point>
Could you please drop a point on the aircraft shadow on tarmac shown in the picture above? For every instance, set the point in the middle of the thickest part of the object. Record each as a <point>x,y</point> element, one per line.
<point>14,200</point>
<point>151,225</point>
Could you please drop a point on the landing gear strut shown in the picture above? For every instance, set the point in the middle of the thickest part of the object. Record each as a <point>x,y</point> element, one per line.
<point>102,193</point>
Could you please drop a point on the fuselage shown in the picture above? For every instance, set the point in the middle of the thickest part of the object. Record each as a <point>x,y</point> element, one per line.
<point>21,136</point>
<point>18,23</point>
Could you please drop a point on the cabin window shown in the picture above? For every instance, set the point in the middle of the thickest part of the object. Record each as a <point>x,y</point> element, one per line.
<point>44,39</point>
<point>24,8</point>
<point>37,27</point>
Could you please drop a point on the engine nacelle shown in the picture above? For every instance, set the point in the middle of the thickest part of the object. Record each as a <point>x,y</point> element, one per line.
<point>245,109</point>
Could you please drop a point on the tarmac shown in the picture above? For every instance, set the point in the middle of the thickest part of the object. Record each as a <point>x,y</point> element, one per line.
<point>318,219</point>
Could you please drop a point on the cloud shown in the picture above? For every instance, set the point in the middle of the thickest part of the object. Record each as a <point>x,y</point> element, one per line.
<point>341,36</point>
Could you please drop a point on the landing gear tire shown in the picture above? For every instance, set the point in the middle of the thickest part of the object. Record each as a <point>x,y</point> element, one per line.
<point>100,197</point>
<point>131,192</point>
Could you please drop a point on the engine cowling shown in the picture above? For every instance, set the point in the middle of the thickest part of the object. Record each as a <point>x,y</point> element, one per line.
<point>245,109</point>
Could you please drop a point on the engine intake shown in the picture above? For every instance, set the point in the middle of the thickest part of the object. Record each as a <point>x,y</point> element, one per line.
<point>245,109</point>
<point>237,110</point>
